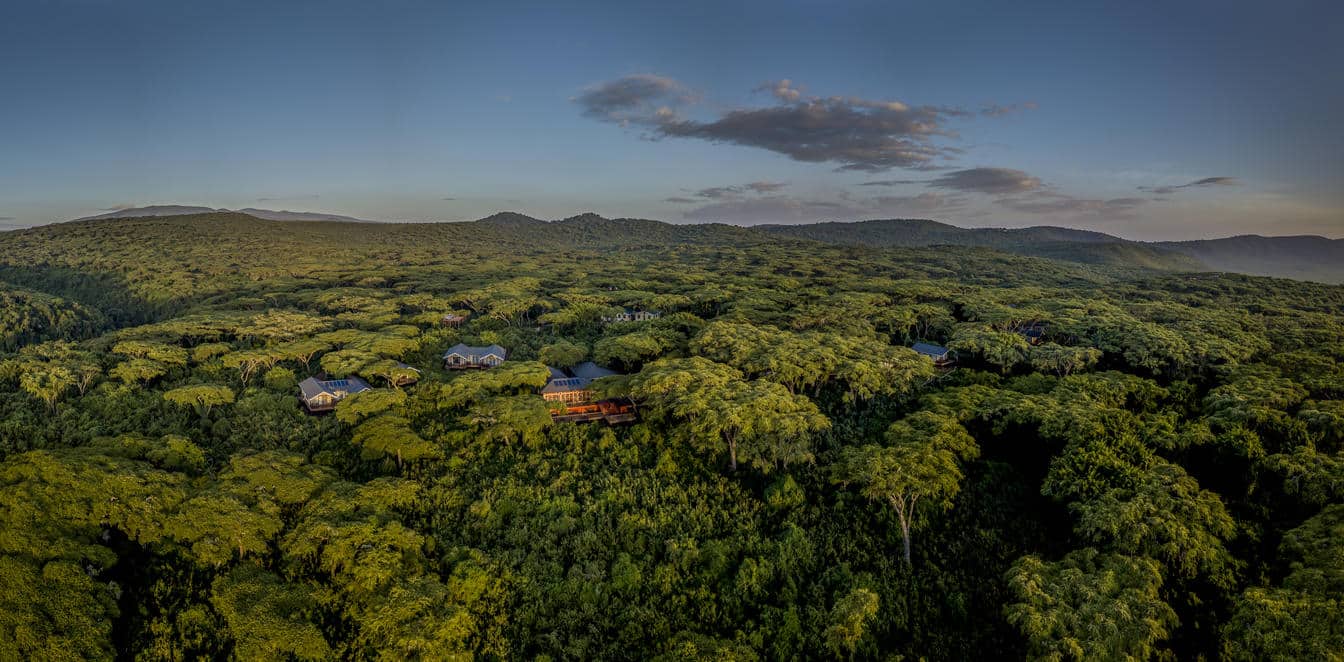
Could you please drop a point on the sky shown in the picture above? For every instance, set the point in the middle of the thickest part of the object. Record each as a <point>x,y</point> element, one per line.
<point>1147,120</point>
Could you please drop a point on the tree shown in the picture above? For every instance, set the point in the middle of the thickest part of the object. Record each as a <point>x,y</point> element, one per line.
<point>1301,619</point>
<point>563,353</point>
<point>1003,349</point>
<point>1062,360</point>
<point>386,434</point>
<point>268,617</point>
<point>357,406</point>
<point>1166,517</point>
<point>47,383</point>
<point>201,397</point>
<point>920,465</point>
<point>138,371</point>
<point>54,611</point>
<point>346,362</point>
<point>1089,605</point>
<point>215,524</point>
<point>848,619</point>
<point>724,412</point>
<point>394,373</point>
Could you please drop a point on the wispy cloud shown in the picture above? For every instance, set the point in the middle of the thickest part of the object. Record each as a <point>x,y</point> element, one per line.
<point>737,190</point>
<point>851,133</point>
<point>1207,181</point>
<point>121,207</point>
<point>449,199</point>
<point>1053,203</point>
<point>792,209</point>
<point>287,198</point>
<point>638,98</point>
<point>987,180</point>
<point>996,181</point>
<point>996,110</point>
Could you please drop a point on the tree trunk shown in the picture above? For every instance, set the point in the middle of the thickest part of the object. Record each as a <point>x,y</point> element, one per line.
<point>899,506</point>
<point>732,454</point>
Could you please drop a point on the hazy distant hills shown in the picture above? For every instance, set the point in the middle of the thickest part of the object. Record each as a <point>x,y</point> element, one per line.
<point>182,210</point>
<point>1302,257</point>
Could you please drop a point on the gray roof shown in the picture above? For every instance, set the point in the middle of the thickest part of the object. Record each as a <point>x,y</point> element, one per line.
<point>405,366</point>
<point>557,373</point>
<point>566,384</point>
<point>311,387</point>
<point>928,349</point>
<point>591,370</point>
<point>476,353</point>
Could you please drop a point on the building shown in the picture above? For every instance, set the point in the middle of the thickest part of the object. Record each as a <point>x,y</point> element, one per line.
<point>573,386</point>
<point>322,395</point>
<point>453,320</point>
<point>569,390</point>
<point>1034,332</point>
<point>409,374</point>
<point>461,357</point>
<point>572,390</point>
<point>940,355</point>
<point>631,315</point>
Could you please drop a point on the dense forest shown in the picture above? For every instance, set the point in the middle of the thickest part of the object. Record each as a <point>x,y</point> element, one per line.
<point>1121,463</point>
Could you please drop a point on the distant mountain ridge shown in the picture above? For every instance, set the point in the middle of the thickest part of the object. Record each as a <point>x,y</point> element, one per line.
<point>1299,257</point>
<point>1302,257</point>
<point>183,210</point>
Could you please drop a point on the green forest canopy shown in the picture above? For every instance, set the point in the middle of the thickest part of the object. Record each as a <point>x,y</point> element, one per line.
<point>1161,474</point>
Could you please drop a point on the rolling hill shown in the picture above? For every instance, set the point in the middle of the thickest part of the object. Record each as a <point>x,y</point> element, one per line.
<point>182,210</point>
<point>1300,257</point>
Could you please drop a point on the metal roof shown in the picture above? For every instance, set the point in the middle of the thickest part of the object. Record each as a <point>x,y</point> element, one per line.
<point>475,353</point>
<point>566,384</point>
<point>311,387</point>
<point>929,349</point>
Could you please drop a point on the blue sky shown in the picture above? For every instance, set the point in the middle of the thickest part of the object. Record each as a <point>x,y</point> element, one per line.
<point>1150,120</point>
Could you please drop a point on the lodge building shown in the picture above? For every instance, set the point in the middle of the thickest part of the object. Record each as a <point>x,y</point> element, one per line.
<point>322,395</point>
<point>463,357</point>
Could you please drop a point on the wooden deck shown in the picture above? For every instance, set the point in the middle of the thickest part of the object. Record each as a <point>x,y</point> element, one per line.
<point>612,411</point>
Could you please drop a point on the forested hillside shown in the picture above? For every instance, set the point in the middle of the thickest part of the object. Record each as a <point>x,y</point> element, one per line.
<point>1304,257</point>
<point>1120,462</point>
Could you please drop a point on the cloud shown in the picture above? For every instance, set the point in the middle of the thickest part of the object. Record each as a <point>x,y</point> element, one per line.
<point>782,90</point>
<point>1207,181</point>
<point>791,209</point>
<point>638,98</point>
<point>6,218</point>
<point>449,199</point>
<point>765,187</point>
<point>850,132</point>
<point>996,110</point>
<point>285,198</point>
<point>120,207</point>
<point>717,192</point>
<point>997,181</point>
<point>924,203</point>
<point>772,209</point>
<point>894,182</point>
<point>734,191</point>
<point>1050,202</point>
<point>680,200</point>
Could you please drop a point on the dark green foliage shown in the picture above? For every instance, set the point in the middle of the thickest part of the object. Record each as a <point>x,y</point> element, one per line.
<point>1159,476</point>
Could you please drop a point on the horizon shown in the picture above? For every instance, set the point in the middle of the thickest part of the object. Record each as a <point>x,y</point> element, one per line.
<point>1097,119</point>
<point>343,218</point>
